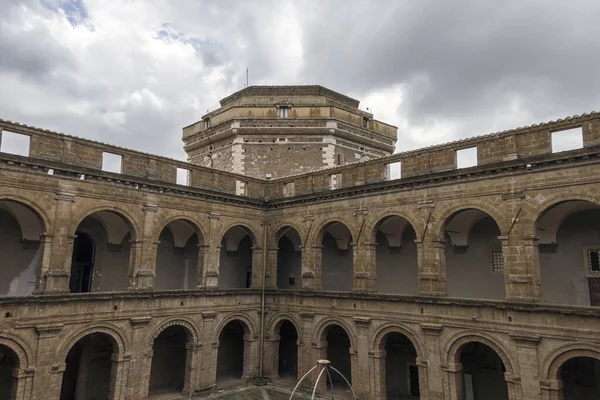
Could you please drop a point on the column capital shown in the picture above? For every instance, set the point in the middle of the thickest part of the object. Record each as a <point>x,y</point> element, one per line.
<point>525,339</point>
<point>209,315</point>
<point>452,367</point>
<point>214,215</point>
<point>48,331</point>
<point>139,322</point>
<point>149,207</point>
<point>362,322</point>
<point>64,196</point>
<point>431,329</point>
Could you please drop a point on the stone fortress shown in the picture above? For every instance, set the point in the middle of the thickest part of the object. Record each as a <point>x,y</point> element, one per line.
<point>291,235</point>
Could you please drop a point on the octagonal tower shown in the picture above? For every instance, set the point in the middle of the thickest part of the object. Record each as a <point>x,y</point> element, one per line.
<point>276,131</point>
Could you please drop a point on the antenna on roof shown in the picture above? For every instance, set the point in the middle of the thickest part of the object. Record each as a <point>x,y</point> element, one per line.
<point>246,76</point>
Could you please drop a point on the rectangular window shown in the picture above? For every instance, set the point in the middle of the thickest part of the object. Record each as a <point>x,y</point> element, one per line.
<point>240,188</point>
<point>466,158</point>
<point>283,112</point>
<point>14,143</point>
<point>111,162</point>
<point>497,261</point>
<point>393,171</point>
<point>335,181</point>
<point>183,176</point>
<point>365,122</point>
<point>569,139</point>
<point>207,123</point>
<point>593,256</point>
<point>289,189</point>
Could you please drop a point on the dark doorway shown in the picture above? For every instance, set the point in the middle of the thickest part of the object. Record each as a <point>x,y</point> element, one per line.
<point>288,351</point>
<point>289,260</point>
<point>483,373</point>
<point>230,360</point>
<point>167,374</point>
<point>88,368</point>
<point>401,371</point>
<point>338,352</point>
<point>581,378</point>
<point>82,265</point>
<point>8,362</point>
<point>235,263</point>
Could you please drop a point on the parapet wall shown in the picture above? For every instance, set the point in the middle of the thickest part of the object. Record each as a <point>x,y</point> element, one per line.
<point>74,151</point>
<point>522,143</point>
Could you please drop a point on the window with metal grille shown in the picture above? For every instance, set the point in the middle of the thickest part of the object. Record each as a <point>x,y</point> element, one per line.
<point>497,261</point>
<point>594,260</point>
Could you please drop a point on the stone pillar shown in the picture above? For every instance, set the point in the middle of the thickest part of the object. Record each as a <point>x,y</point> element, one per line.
<point>250,357</point>
<point>360,358</point>
<point>257,267</point>
<point>378,381</point>
<point>320,351</point>
<point>306,357</point>
<point>56,277</point>
<point>24,383</point>
<point>454,387</point>
<point>271,278</point>
<point>203,255</point>
<point>140,362</point>
<point>551,390</point>
<point>193,364</point>
<point>364,254</point>
<point>271,360</point>
<point>211,262</point>
<point>210,348</point>
<point>513,383</point>
<point>46,243</point>
<point>48,379</point>
<point>118,377</point>
<point>432,266</point>
<point>311,278</point>
<point>142,269</point>
<point>520,254</point>
<point>527,356</point>
<point>432,376</point>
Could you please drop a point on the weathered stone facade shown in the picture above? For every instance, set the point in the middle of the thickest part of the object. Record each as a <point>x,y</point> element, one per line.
<point>447,226</point>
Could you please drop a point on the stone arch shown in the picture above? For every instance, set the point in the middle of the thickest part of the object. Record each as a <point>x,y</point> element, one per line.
<point>196,225</point>
<point>278,232</point>
<point>247,324</point>
<point>323,225</point>
<point>118,337</point>
<point>382,331</point>
<point>19,347</point>
<point>553,363</point>
<point>129,218</point>
<point>455,345</point>
<point>553,200</point>
<point>189,326</point>
<point>321,329</point>
<point>378,219</point>
<point>278,320</point>
<point>38,210</point>
<point>247,227</point>
<point>445,214</point>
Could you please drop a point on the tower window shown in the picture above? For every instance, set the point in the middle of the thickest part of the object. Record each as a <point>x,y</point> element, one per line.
<point>365,122</point>
<point>207,123</point>
<point>283,112</point>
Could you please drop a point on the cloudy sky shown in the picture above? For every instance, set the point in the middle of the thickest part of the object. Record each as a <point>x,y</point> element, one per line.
<point>134,72</point>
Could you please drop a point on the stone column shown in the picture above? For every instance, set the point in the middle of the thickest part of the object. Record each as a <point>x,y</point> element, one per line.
<point>250,357</point>
<point>454,386</point>
<point>271,360</point>
<point>140,362</point>
<point>48,380</point>
<point>118,376</point>
<point>257,267</point>
<point>211,262</point>
<point>210,348</point>
<point>432,266</point>
<point>46,243</point>
<point>360,358</point>
<point>364,254</point>
<point>142,269</point>
<point>527,356</point>
<point>306,358</point>
<point>520,253</point>
<point>320,351</point>
<point>193,364</point>
<point>271,278</point>
<point>24,383</point>
<point>203,255</point>
<point>311,278</point>
<point>378,381</point>
<point>513,383</point>
<point>56,277</point>
<point>432,376</point>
